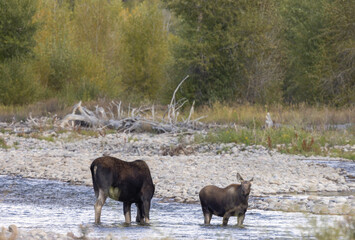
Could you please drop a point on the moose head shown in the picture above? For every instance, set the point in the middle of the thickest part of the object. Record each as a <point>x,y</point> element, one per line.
<point>246,185</point>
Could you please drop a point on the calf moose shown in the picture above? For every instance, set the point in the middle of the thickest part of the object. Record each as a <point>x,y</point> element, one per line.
<point>226,202</point>
<point>128,182</point>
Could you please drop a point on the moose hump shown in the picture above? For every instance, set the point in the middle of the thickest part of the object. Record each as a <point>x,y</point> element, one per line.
<point>226,202</point>
<point>127,182</point>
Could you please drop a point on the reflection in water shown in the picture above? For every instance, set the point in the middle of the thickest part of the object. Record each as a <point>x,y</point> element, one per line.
<point>61,208</point>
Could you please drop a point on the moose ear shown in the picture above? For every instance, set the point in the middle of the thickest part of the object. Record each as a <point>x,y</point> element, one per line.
<point>240,179</point>
<point>251,179</point>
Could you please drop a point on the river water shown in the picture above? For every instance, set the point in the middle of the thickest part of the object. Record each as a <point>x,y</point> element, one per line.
<point>348,166</point>
<point>60,207</point>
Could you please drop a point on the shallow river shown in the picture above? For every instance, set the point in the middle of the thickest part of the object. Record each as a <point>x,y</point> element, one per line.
<point>348,166</point>
<point>61,207</point>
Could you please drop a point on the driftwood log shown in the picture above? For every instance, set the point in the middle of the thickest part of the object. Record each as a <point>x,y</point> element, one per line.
<point>139,119</point>
<point>134,119</point>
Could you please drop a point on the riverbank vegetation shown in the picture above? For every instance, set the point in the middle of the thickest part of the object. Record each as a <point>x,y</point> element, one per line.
<point>297,129</point>
<point>322,131</point>
<point>295,60</point>
<point>342,229</point>
<point>290,140</point>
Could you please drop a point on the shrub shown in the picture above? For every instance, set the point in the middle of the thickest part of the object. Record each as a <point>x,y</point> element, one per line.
<point>142,52</point>
<point>342,229</point>
<point>16,27</point>
<point>285,139</point>
<point>18,83</point>
<point>3,143</point>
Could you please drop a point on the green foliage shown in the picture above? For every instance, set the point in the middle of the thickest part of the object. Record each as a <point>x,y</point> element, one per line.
<point>18,85</point>
<point>70,66</point>
<point>75,74</point>
<point>303,20</point>
<point>16,27</point>
<point>242,136</point>
<point>102,49</point>
<point>95,23</point>
<point>62,68</point>
<point>54,52</point>
<point>342,154</point>
<point>37,135</point>
<point>234,51</point>
<point>18,81</point>
<point>142,50</point>
<point>259,57</point>
<point>285,140</point>
<point>339,84</point>
<point>319,41</point>
<point>228,49</point>
<point>204,48</point>
<point>3,143</point>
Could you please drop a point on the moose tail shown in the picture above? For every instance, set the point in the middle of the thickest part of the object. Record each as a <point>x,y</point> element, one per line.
<point>93,169</point>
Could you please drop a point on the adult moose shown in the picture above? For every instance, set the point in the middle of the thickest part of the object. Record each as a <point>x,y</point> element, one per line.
<point>226,202</point>
<point>128,182</point>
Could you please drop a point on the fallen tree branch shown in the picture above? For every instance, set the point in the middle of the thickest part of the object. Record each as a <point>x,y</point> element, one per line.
<point>172,115</point>
<point>134,119</point>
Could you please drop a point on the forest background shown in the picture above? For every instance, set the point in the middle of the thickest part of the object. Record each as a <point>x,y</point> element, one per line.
<point>294,59</point>
<point>263,52</point>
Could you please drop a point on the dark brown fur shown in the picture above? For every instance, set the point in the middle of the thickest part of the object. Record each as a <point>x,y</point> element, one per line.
<point>128,182</point>
<point>225,202</point>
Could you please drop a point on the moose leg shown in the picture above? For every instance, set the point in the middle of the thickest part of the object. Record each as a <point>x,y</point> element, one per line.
<point>98,205</point>
<point>207,215</point>
<point>225,219</point>
<point>146,209</point>
<point>241,219</point>
<point>139,217</point>
<point>127,212</point>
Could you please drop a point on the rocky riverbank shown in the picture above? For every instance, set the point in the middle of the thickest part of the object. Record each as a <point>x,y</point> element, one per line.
<point>180,168</point>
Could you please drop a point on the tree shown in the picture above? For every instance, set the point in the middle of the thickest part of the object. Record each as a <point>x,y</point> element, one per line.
<point>305,50</point>
<point>228,49</point>
<point>142,51</point>
<point>260,54</point>
<point>206,47</point>
<point>18,85</point>
<point>95,23</point>
<point>68,58</point>
<point>16,27</point>
<point>339,84</point>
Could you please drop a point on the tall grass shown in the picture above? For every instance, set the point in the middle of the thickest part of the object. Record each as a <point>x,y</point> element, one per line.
<point>343,229</point>
<point>301,129</point>
<point>250,116</point>
<point>295,115</point>
<point>38,109</point>
<point>288,140</point>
